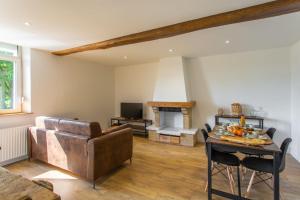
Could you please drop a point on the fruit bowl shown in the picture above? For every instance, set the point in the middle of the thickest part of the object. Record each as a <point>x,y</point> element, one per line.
<point>236,130</point>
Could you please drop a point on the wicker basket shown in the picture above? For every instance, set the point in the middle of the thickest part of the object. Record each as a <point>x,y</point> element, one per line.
<point>220,111</point>
<point>236,109</point>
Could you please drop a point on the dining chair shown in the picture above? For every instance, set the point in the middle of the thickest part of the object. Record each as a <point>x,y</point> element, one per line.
<point>220,149</point>
<point>270,132</point>
<point>264,166</point>
<point>221,158</point>
<point>208,128</point>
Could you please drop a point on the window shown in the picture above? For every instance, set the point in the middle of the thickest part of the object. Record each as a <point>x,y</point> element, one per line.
<point>10,79</point>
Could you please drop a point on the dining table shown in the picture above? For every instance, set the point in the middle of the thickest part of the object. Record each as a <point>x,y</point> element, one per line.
<point>270,149</point>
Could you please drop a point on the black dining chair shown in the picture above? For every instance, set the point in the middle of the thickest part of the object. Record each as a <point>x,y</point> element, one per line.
<point>270,132</point>
<point>227,159</point>
<point>265,165</point>
<point>208,128</point>
<point>220,149</point>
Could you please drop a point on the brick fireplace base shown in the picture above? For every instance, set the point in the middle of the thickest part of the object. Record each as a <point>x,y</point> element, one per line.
<point>185,139</point>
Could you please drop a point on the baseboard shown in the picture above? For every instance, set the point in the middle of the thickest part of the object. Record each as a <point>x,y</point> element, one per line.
<point>7,162</point>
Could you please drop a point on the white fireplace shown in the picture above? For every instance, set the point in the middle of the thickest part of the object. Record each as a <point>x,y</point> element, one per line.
<point>173,123</point>
<point>172,105</point>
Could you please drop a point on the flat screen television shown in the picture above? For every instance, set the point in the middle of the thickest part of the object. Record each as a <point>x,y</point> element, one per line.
<point>132,110</point>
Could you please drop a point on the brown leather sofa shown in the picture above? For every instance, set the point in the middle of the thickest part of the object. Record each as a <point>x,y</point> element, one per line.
<point>80,147</point>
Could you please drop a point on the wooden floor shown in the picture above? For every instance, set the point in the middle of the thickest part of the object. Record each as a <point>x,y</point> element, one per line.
<point>159,171</point>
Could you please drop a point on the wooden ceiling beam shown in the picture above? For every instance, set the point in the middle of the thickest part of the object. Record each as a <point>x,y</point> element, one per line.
<point>270,9</point>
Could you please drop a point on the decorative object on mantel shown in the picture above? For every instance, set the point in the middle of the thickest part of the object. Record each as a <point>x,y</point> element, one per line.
<point>236,109</point>
<point>220,111</point>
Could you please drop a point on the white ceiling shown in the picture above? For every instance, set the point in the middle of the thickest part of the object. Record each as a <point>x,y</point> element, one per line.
<point>59,24</point>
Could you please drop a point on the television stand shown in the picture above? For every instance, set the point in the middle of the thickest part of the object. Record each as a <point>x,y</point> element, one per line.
<point>139,126</point>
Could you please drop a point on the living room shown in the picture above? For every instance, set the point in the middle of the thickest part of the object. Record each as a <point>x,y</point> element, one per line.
<point>69,69</point>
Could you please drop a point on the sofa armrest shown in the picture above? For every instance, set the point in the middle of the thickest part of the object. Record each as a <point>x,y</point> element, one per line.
<point>108,152</point>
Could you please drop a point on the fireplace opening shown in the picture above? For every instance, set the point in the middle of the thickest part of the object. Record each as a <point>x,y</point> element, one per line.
<point>169,109</point>
<point>171,119</point>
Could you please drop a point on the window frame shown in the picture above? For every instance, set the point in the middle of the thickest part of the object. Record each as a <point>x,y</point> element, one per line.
<point>17,106</point>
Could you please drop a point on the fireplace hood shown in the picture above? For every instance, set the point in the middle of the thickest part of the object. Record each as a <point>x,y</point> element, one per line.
<point>172,83</point>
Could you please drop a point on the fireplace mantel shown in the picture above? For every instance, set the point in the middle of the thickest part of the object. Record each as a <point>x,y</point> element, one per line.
<point>167,104</point>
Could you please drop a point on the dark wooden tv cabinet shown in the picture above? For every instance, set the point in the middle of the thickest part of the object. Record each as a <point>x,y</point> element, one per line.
<point>139,126</point>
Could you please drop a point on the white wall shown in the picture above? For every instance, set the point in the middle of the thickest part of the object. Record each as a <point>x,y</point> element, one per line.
<point>67,87</point>
<point>135,84</point>
<point>258,79</point>
<point>295,99</point>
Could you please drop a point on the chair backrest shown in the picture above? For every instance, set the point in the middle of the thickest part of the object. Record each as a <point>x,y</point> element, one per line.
<point>284,147</point>
<point>205,136</point>
<point>270,132</point>
<point>208,128</point>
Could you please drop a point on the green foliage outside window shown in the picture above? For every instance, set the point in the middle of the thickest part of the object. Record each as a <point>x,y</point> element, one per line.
<point>6,84</point>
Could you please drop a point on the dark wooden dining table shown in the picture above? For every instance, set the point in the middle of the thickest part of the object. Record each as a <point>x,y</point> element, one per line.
<point>271,149</point>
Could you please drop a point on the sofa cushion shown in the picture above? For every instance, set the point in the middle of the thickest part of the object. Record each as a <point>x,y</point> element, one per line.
<point>90,129</point>
<point>50,123</point>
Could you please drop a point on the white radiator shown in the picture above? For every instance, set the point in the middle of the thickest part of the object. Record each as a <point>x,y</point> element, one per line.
<point>13,144</point>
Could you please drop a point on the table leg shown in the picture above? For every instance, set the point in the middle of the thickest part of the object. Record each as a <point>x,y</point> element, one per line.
<point>276,188</point>
<point>209,178</point>
<point>239,182</point>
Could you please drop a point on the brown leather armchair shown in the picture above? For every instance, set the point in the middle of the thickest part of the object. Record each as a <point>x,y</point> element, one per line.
<point>80,147</point>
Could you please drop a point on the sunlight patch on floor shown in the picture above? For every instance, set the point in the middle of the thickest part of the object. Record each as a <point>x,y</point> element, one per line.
<point>54,174</point>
